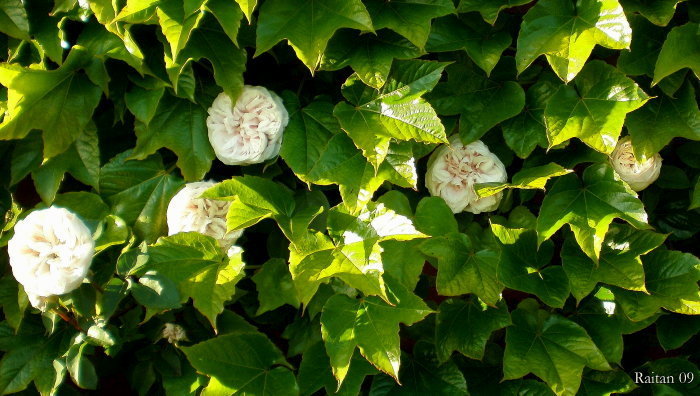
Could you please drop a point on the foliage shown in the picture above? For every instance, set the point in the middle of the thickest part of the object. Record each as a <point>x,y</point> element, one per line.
<point>351,278</point>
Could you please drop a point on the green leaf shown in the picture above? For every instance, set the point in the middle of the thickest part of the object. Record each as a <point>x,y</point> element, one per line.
<point>275,286</point>
<point>243,363</point>
<point>594,109</point>
<point>524,132</point>
<point>680,50</point>
<point>434,217</point>
<point>256,192</point>
<point>605,383</point>
<point>675,330</point>
<point>409,18</point>
<point>374,117</point>
<point>658,12</point>
<point>59,102</point>
<point>228,15</point>
<point>403,261</point>
<point>248,6</point>
<point>354,253</point>
<point>695,198</point>
<point>528,179</point>
<point>370,325</point>
<point>139,192</point>
<point>177,23</point>
<point>314,22</point>
<point>619,263</point>
<point>156,292</point>
<point>13,19</point>
<point>465,326</point>
<point>369,55</point>
<point>525,267</point>
<point>422,374</point>
<point>489,9</point>
<point>482,42</point>
<point>482,103</point>
<point>663,118</point>
<point>589,206</point>
<point>644,50</point>
<point>315,373</point>
<point>13,301</point>
<point>200,268</point>
<point>81,369</point>
<point>464,268</point>
<point>566,32</point>
<point>551,347</point>
<point>672,282</point>
<point>104,45</point>
<point>81,160</point>
<point>179,125</point>
<point>665,370</point>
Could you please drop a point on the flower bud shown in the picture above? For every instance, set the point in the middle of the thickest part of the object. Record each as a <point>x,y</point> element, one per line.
<point>50,253</point>
<point>638,174</point>
<point>454,169</point>
<point>189,213</point>
<point>249,131</point>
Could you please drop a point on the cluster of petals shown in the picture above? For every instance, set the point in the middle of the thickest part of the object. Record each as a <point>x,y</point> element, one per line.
<point>454,169</point>
<point>638,174</point>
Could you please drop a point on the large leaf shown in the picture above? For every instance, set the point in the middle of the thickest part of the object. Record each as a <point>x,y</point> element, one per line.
<point>13,19</point>
<point>243,362</point>
<point>315,373</point>
<point>663,118</point>
<point>482,42</point>
<point>680,50</point>
<point>409,18</point>
<point>482,103</point>
<point>179,125</point>
<point>200,268</point>
<point>464,268</point>
<point>354,253</point>
<point>139,192</point>
<point>308,25</point>
<point>256,192</point>
<point>594,109</point>
<point>465,326</point>
<point>373,117</point>
<point>549,346</point>
<point>59,102</point>
<point>647,40</point>
<point>177,22</point>
<point>489,9</point>
<point>372,326</point>
<point>275,286</point>
<point>369,55</point>
<point>589,206</point>
<point>619,263</point>
<point>672,283</point>
<point>659,12</point>
<point>566,32</point>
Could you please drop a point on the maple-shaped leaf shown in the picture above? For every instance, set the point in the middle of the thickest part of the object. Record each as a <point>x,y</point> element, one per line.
<point>308,25</point>
<point>371,325</point>
<point>589,205</point>
<point>409,18</point>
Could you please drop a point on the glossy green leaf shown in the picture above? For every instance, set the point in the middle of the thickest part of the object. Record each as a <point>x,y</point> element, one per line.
<point>81,369</point>
<point>680,50</point>
<point>434,217</point>
<point>255,191</point>
<point>13,301</point>
<point>275,286</point>
<point>177,23</point>
<point>409,18</point>
<point>647,40</point>
<point>482,103</point>
<point>248,6</point>
<point>314,22</point>
<point>549,346</point>
<point>466,326</point>
<point>527,179</point>
<point>619,263</point>
<point>139,192</point>
<point>200,268</point>
<point>489,9</point>
<point>370,325</point>
<point>589,205</point>
<point>566,32</point>
<point>605,383</point>
<point>59,102</point>
<point>465,268</point>
<point>594,109</point>
<point>13,19</point>
<point>315,373</point>
<point>243,363</point>
<point>675,330</point>
<point>659,12</point>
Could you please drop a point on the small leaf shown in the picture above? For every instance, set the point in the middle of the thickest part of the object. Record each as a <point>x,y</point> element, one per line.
<point>275,286</point>
<point>658,12</point>
<point>409,18</point>
<point>680,50</point>
<point>528,178</point>
<point>13,19</point>
<point>489,9</point>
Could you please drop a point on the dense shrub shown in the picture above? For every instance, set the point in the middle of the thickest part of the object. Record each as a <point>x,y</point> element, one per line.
<point>377,197</point>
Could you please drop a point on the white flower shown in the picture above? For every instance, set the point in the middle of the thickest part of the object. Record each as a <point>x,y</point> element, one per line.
<point>638,174</point>
<point>50,253</point>
<point>454,169</point>
<point>173,333</point>
<point>187,213</point>
<point>250,131</point>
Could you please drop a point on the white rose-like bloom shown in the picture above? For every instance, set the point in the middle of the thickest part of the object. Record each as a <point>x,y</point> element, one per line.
<point>639,175</point>
<point>173,333</point>
<point>50,253</point>
<point>249,131</point>
<point>189,213</point>
<point>454,169</point>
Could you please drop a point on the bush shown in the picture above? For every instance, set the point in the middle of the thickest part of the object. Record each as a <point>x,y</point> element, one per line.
<point>427,197</point>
